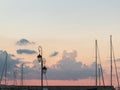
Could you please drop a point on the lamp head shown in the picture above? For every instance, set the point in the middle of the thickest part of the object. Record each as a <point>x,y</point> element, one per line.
<point>39,58</point>
<point>44,69</point>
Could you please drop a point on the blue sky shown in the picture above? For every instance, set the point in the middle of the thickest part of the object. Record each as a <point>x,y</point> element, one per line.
<point>57,19</point>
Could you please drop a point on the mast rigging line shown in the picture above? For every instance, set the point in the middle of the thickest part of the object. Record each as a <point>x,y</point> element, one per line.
<point>46,79</point>
<point>101,68</point>
<point>116,71</point>
<point>4,69</point>
<point>2,73</point>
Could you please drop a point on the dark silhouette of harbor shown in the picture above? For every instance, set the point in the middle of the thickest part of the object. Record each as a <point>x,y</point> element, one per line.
<point>5,87</point>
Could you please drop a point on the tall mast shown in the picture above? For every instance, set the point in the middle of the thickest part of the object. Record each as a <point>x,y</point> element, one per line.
<point>111,59</point>
<point>22,74</point>
<point>96,60</point>
<point>99,73</point>
<point>15,78</point>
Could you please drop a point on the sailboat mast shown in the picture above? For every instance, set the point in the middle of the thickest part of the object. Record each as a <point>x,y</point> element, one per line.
<point>22,74</point>
<point>96,60</point>
<point>111,59</point>
<point>99,73</point>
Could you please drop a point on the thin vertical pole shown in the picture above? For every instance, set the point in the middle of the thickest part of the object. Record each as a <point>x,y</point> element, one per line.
<point>41,70</point>
<point>111,59</point>
<point>42,74</point>
<point>40,53</point>
<point>96,60</point>
<point>99,76</point>
<point>22,74</point>
<point>15,78</point>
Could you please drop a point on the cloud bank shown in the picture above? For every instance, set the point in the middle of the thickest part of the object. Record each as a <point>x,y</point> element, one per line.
<point>25,51</point>
<point>67,68</point>
<point>23,42</point>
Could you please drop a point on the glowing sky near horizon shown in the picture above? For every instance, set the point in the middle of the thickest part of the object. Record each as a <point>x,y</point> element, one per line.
<point>59,25</point>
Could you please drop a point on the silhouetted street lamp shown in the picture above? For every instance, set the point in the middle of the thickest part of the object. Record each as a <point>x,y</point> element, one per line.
<point>43,67</point>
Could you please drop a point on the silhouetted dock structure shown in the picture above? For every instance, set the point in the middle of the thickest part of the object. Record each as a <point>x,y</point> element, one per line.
<point>4,87</point>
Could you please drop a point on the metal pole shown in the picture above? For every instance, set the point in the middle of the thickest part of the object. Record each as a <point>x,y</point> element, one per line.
<point>42,74</point>
<point>99,76</point>
<point>22,74</point>
<point>96,60</point>
<point>40,52</point>
<point>111,59</point>
<point>15,78</point>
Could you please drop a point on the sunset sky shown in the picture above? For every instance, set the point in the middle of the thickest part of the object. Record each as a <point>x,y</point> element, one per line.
<point>66,30</point>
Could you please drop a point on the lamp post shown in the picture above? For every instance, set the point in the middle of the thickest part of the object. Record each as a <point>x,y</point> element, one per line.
<point>43,67</point>
<point>40,60</point>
